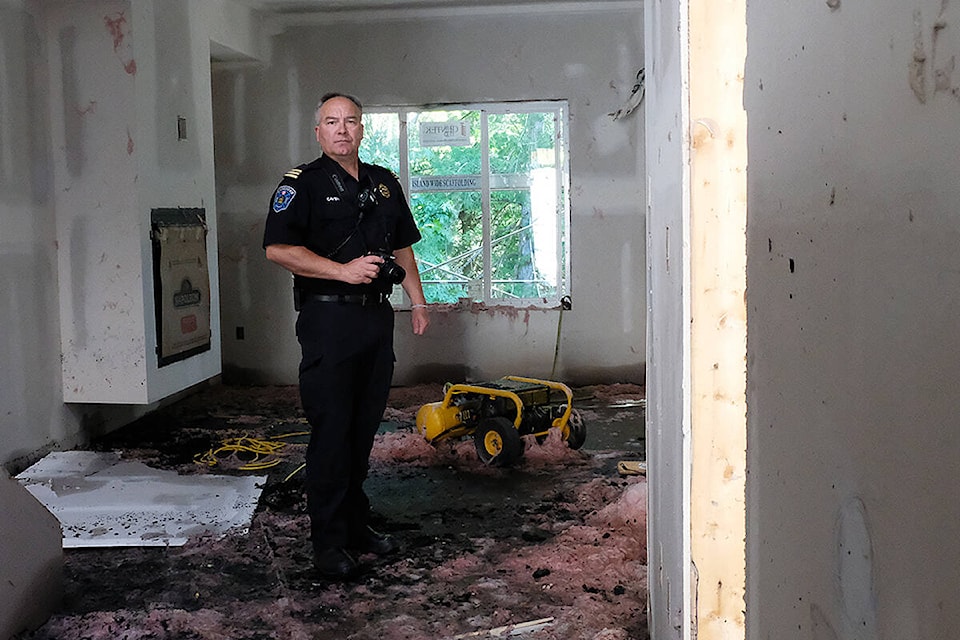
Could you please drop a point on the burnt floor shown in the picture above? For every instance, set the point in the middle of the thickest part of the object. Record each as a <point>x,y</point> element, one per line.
<point>559,538</point>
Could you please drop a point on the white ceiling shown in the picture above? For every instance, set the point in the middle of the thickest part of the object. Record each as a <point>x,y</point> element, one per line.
<point>320,6</point>
<point>282,6</point>
<point>303,12</point>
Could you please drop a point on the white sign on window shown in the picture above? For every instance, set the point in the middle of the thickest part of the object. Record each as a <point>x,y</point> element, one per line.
<point>445,183</point>
<point>454,133</point>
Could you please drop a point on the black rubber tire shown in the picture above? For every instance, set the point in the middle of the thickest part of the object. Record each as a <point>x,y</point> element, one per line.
<point>576,430</point>
<point>498,442</point>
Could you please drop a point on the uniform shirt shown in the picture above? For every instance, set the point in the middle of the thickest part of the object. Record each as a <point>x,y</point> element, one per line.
<point>315,206</point>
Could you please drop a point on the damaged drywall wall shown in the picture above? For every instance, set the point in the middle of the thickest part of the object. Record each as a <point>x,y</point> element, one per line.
<point>264,121</point>
<point>852,267</point>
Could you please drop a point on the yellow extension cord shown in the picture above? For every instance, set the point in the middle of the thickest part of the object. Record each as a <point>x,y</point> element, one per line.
<point>263,454</point>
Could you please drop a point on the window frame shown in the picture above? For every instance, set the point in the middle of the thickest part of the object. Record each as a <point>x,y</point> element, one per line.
<point>562,242</point>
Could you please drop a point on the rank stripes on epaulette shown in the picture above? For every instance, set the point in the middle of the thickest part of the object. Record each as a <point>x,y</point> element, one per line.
<point>293,173</point>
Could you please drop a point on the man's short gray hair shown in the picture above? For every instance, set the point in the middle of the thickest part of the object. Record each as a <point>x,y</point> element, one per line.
<point>330,96</point>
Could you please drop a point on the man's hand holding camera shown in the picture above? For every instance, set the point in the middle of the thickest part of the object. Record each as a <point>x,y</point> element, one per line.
<point>362,270</point>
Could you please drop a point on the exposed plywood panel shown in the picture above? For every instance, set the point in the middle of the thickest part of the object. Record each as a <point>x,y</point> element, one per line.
<point>696,160</point>
<point>718,323</point>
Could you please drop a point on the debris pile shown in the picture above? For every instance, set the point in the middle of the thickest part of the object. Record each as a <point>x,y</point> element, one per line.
<point>554,549</point>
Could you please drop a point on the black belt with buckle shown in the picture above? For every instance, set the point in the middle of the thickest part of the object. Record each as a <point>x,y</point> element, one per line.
<point>362,299</point>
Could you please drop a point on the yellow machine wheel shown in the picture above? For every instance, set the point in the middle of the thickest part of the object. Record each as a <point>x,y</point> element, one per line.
<point>498,442</point>
<point>576,431</point>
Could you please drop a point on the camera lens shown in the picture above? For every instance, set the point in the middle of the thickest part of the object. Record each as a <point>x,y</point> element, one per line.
<point>393,272</point>
<point>366,199</point>
<point>389,270</point>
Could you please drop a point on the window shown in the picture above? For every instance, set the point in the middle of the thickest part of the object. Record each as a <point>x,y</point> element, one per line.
<point>488,186</point>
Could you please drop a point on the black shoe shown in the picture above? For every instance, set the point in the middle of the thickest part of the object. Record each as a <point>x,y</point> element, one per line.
<point>334,563</point>
<point>371,541</point>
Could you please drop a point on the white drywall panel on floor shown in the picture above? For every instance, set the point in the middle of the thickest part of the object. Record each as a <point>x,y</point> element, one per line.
<point>102,500</point>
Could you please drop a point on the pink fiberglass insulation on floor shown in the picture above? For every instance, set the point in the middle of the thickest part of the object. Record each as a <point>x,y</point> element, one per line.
<point>555,545</point>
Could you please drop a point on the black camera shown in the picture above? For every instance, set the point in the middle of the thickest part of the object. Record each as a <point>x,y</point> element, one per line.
<point>389,270</point>
<point>366,199</point>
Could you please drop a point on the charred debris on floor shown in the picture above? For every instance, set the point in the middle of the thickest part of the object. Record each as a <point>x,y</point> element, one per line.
<point>558,540</point>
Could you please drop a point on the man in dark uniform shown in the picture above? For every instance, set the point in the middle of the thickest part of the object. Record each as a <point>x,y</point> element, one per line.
<point>344,229</point>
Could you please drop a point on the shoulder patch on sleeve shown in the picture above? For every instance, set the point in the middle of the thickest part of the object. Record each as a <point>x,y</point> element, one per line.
<point>283,197</point>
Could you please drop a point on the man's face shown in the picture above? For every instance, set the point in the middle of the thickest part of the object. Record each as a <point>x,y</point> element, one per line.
<point>339,129</point>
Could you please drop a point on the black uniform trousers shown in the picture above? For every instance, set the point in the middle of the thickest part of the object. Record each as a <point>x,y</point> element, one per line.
<point>345,374</point>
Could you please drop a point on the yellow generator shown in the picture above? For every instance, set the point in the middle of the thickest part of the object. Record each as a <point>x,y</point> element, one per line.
<point>497,414</point>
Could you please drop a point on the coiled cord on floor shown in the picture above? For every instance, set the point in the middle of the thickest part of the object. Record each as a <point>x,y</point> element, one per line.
<point>254,454</point>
